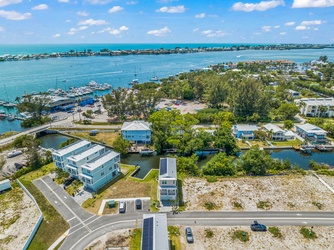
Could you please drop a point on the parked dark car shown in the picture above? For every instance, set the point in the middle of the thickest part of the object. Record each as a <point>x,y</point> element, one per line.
<point>258,227</point>
<point>68,181</point>
<point>189,235</point>
<point>138,204</point>
<point>122,207</point>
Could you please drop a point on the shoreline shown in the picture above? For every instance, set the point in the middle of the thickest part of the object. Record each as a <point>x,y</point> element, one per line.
<point>161,51</point>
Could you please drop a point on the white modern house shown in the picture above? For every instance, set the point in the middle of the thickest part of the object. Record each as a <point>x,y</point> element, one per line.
<point>315,107</point>
<point>294,94</point>
<point>311,132</point>
<point>60,156</point>
<point>77,160</point>
<point>155,232</point>
<point>278,134</point>
<point>93,164</point>
<point>99,171</point>
<point>167,188</point>
<point>137,131</point>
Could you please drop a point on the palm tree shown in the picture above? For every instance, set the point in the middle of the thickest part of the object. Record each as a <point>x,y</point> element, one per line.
<point>322,110</point>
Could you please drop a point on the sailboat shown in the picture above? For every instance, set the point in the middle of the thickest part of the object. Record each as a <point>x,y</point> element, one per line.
<point>7,103</point>
<point>154,78</point>
<point>135,80</point>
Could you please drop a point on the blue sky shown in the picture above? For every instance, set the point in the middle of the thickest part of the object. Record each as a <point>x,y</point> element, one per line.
<point>166,21</point>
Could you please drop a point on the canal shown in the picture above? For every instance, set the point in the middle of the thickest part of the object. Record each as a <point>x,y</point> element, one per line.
<point>147,163</point>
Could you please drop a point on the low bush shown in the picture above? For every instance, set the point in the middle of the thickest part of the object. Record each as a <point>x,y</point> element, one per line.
<point>240,235</point>
<point>308,233</point>
<point>275,232</point>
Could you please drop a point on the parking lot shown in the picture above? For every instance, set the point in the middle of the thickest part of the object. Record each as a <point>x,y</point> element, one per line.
<point>130,206</point>
<point>9,167</point>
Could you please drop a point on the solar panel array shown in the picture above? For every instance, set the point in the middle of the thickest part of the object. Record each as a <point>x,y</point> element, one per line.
<point>147,242</point>
<point>163,166</point>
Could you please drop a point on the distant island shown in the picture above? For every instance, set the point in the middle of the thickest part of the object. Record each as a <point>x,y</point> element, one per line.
<point>176,50</point>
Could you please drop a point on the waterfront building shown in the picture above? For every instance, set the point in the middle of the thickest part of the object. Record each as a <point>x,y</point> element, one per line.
<point>77,160</point>
<point>155,232</point>
<point>85,100</point>
<point>244,131</point>
<point>60,103</point>
<point>93,164</point>
<point>275,132</point>
<point>316,107</point>
<point>137,132</point>
<point>311,132</point>
<point>167,188</point>
<point>60,156</point>
<point>99,171</point>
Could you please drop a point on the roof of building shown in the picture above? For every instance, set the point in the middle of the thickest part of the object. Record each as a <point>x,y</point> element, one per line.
<point>310,128</point>
<point>245,127</point>
<point>273,127</point>
<point>289,133</point>
<point>317,101</point>
<point>100,160</point>
<point>155,232</point>
<point>136,125</point>
<point>167,168</point>
<point>72,147</point>
<point>94,149</point>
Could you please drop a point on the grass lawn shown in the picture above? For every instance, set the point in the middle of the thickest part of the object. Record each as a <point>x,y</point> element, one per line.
<point>242,144</point>
<point>126,187</point>
<point>174,236</point>
<point>135,241</point>
<point>261,144</point>
<point>52,222</point>
<point>107,137</point>
<point>296,142</point>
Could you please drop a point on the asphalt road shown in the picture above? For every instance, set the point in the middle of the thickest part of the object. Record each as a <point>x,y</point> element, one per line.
<point>86,227</point>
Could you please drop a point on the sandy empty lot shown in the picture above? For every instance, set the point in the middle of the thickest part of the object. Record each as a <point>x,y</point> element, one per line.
<point>279,193</point>
<point>184,107</point>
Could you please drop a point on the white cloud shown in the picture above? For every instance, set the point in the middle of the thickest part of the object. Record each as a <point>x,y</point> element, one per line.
<point>68,21</point>
<point>131,3</point>
<point>91,22</point>
<point>167,1</point>
<point>56,35</point>
<point>316,29</point>
<point>314,22</point>
<point>301,27</point>
<point>9,2</point>
<point>266,28</point>
<point>98,1</point>
<point>75,30</point>
<point>13,15</point>
<point>1,29</point>
<point>289,23</point>
<point>195,30</point>
<point>113,31</point>
<point>160,32</point>
<point>312,3</point>
<point>172,9</point>
<point>63,1</point>
<point>115,9</point>
<point>261,6</point>
<point>202,15</point>
<point>282,33</point>
<point>276,26</point>
<point>305,37</point>
<point>210,33</point>
<point>82,13</point>
<point>257,33</point>
<point>40,7</point>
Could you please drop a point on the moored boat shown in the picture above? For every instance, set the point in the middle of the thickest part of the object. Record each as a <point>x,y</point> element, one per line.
<point>147,151</point>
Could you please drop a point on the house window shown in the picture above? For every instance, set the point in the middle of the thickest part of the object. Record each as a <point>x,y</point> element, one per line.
<point>102,173</point>
<point>174,182</point>
<point>110,168</point>
<point>88,171</point>
<point>163,182</point>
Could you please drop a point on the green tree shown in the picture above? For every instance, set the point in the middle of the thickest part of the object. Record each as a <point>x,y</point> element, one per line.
<point>288,124</point>
<point>288,111</point>
<point>219,165</point>
<point>121,145</point>
<point>224,139</point>
<point>255,161</point>
<point>187,165</point>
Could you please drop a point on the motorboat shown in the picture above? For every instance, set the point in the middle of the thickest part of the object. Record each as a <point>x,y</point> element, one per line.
<point>147,151</point>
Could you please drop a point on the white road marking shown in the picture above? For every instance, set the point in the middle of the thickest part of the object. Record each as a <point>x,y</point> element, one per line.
<point>56,202</point>
<point>299,214</point>
<point>71,219</point>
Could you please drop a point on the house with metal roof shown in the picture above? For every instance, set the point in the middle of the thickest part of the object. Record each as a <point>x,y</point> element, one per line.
<point>100,170</point>
<point>155,232</point>
<point>137,131</point>
<point>244,131</point>
<point>277,134</point>
<point>311,132</point>
<point>93,164</point>
<point>167,188</point>
<point>60,156</point>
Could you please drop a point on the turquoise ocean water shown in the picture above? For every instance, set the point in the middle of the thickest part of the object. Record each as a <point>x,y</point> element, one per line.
<point>20,77</point>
